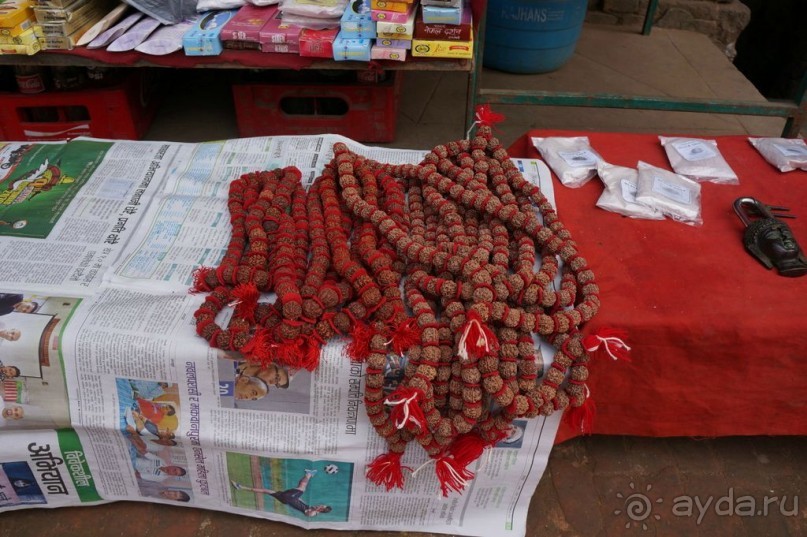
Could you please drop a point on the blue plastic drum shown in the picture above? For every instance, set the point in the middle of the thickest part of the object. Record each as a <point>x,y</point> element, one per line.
<point>532,36</point>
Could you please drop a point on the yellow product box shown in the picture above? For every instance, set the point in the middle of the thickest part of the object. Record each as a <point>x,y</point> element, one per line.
<point>27,50</point>
<point>28,37</point>
<point>443,49</point>
<point>14,12</point>
<point>387,5</point>
<point>24,26</point>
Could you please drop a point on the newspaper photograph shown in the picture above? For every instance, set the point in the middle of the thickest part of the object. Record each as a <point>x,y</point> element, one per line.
<point>109,394</point>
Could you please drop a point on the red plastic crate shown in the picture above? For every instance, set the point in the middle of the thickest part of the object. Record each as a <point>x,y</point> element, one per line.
<point>362,112</point>
<point>121,111</point>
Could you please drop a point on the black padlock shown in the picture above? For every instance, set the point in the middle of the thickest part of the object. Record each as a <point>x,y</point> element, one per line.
<point>770,240</point>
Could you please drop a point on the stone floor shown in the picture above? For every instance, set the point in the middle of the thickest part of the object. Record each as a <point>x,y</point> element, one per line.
<point>683,486</point>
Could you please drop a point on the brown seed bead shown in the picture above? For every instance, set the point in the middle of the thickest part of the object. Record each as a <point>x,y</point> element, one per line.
<point>431,354</point>
<point>471,376</point>
<point>554,376</point>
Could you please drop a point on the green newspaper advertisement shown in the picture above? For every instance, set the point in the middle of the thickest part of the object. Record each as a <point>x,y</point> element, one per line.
<point>38,182</point>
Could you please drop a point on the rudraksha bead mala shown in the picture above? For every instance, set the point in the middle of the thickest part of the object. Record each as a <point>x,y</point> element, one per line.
<point>451,263</point>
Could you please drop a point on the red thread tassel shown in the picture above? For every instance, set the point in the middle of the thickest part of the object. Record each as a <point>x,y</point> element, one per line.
<point>359,347</point>
<point>290,352</point>
<point>581,418</point>
<point>451,475</point>
<point>200,280</point>
<point>386,470</point>
<point>245,296</point>
<point>310,352</point>
<point>258,349</point>
<point>477,339</point>
<point>467,448</point>
<point>405,407</point>
<point>407,333</point>
<point>610,341</point>
<point>485,116</point>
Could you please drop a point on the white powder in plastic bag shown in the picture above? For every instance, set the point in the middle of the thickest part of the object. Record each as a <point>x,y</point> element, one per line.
<point>209,5</point>
<point>620,191</point>
<point>309,22</point>
<point>674,195</point>
<point>786,154</point>
<point>572,159</point>
<point>319,9</point>
<point>263,2</point>
<point>699,160</point>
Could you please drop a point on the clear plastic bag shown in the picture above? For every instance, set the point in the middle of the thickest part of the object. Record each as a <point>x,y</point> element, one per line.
<point>321,9</point>
<point>699,160</point>
<point>211,5</point>
<point>619,196</point>
<point>674,195</point>
<point>786,154</point>
<point>572,159</point>
<point>166,11</point>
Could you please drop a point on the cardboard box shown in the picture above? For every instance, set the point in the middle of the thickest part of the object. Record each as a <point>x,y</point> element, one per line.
<point>204,39</point>
<point>442,15</point>
<point>445,32</point>
<point>28,37</point>
<point>394,43</point>
<point>388,53</point>
<point>396,30</point>
<point>246,26</point>
<point>388,5</point>
<point>317,43</point>
<point>392,16</point>
<point>15,12</point>
<point>275,32</point>
<point>442,49</point>
<point>356,22</point>
<point>351,49</point>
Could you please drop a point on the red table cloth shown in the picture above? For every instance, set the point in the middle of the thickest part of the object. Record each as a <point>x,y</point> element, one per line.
<point>718,342</point>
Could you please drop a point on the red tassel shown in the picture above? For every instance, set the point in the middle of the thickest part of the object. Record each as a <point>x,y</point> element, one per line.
<point>467,448</point>
<point>477,339</point>
<point>451,475</point>
<point>407,333</point>
<point>310,353</point>
<point>581,418</point>
<point>245,299</point>
<point>200,280</point>
<point>258,349</point>
<point>610,341</point>
<point>290,352</point>
<point>386,470</point>
<point>405,407</point>
<point>359,347</point>
<point>486,117</point>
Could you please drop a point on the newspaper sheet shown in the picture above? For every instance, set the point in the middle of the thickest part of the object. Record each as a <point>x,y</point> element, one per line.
<point>114,397</point>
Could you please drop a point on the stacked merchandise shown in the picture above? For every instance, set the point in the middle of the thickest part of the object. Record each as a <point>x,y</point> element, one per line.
<point>319,21</point>
<point>242,32</point>
<point>357,30</point>
<point>395,23</point>
<point>18,28</point>
<point>204,39</point>
<point>444,30</point>
<point>279,36</point>
<point>64,22</point>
